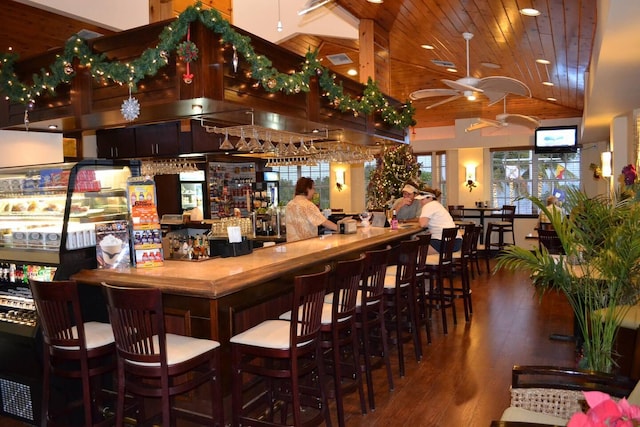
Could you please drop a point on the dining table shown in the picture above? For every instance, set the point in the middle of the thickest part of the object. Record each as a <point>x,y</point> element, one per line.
<point>481,214</point>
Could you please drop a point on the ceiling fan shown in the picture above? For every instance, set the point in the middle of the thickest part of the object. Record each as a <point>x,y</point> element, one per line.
<point>505,119</point>
<point>494,87</point>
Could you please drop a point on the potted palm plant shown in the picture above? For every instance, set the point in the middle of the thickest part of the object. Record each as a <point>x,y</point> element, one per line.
<point>599,271</point>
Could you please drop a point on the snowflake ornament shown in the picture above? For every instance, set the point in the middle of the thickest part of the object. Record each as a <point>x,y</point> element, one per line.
<point>130,108</point>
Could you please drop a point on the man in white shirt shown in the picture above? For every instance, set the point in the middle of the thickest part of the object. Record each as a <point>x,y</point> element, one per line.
<point>435,217</point>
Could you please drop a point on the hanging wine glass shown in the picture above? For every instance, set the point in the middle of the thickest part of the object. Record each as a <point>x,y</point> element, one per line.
<point>303,149</point>
<point>254,143</point>
<point>226,144</point>
<point>267,145</point>
<point>242,144</point>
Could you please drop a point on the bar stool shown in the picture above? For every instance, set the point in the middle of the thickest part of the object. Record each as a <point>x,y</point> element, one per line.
<point>370,319</point>
<point>440,266</point>
<point>475,257</point>
<point>401,300</point>
<point>72,349</point>
<point>462,263</point>
<point>156,364</point>
<point>286,356</point>
<point>502,227</point>
<point>339,334</point>
<point>422,275</point>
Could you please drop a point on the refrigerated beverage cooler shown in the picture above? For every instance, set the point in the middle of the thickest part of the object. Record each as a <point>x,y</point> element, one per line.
<point>192,191</point>
<point>266,192</point>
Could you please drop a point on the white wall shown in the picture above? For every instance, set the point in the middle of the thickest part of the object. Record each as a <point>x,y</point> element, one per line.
<point>112,14</point>
<point>30,148</point>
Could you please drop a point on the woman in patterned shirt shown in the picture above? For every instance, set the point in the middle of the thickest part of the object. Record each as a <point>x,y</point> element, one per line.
<point>303,217</point>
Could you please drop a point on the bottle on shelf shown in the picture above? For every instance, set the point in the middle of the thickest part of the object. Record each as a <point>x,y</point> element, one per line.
<point>394,220</point>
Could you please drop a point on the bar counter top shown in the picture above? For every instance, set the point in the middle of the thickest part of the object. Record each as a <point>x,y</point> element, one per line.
<point>219,277</point>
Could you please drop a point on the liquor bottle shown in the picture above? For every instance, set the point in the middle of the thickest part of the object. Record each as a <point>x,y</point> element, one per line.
<point>394,221</point>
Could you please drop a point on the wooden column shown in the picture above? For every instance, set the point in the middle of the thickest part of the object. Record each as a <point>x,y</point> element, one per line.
<point>374,54</point>
<point>159,10</point>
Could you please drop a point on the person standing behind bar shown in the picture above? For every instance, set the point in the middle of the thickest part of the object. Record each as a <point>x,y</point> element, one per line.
<point>407,207</point>
<point>435,217</point>
<point>303,217</point>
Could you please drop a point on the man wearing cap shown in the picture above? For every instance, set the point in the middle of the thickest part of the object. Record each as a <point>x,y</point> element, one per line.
<point>407,208</point>
<point>435,217</point>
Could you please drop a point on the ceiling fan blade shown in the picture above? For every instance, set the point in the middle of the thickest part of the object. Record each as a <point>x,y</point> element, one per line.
<point>313,5</point>
<point>483,123</point>
<point>461,85</point>
<point>519,119</point>
<point>430,93</point>
<point>444,101</point>
<point>503,85</point>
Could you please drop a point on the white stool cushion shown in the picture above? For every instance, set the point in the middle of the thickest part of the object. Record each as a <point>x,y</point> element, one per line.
<point>96,335</point>
<point>513,413</point>
<point>181,348</point>
<point>268,334</point>
<point>328,298</point>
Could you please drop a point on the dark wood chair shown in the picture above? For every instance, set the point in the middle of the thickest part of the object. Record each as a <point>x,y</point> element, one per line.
<point>462,263</point>
<point>440,266</point>
<point>456,212</point>
<point>285,357</point>
<point>475,250</point>
<point>502,227</point>
<point>72,349</point>
<point>370,320</point>
<point>339,337</point>
<point>548,238</point>
<point>156,364</point>
<point>401,300</point>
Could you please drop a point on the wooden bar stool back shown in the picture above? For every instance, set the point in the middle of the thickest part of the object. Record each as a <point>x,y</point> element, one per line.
<point>502,227</point>
<point>339,337</point>
<point>284,361</point>
<point>155,364</point>
<point>475,257</point>
<point>401,300</point>
<point>370,319</point>
<point>439,267</point>
<point>72,349</point>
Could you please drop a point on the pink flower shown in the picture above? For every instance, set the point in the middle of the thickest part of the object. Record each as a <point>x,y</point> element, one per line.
<point>605,412</point>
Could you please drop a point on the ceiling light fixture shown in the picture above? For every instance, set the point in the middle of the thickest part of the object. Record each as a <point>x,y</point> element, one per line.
<point>452,70</point>
<point>543,61</point>
<point>529,11</point>
<point>552,99</point>
<point>427,46</point>
<point>279,26</point>
<point>352,72</point>
<point>469,95</point>
<point>376,1</point>
<point>547,83</point>
<point>52,127</point>
<point>196,108</point>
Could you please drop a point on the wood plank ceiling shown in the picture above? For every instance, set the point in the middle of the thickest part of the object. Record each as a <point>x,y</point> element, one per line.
<point>562,34</point>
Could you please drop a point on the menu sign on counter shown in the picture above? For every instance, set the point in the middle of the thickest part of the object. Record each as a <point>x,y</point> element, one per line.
<point>112,244</point>
<point>147,236</point>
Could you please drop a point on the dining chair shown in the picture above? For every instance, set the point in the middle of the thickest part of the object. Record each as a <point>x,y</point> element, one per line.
<point>155,364</point>
<point>440,267</point>
<point>284,361</point>
<point>456,212</point>
<point>72,349</point>
<point>548,238</point>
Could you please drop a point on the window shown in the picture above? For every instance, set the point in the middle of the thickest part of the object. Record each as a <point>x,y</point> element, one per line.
<point>369,167</point>
<point>433,172</point>
<point>289,176</point>
<point>426,171</point>
<point>517,174</point>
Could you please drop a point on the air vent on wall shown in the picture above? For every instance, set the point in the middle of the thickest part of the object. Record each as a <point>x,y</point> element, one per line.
<point>339,59</point>
<point>441,63</point>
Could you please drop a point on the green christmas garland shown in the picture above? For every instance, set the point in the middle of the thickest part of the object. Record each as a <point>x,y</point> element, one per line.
<point>171,39</point>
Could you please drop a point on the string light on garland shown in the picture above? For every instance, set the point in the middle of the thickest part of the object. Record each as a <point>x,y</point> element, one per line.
<point>130,108</point>
<point>171,39</point>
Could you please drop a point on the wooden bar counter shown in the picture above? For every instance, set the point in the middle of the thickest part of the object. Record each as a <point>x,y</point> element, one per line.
<point>220,297</point>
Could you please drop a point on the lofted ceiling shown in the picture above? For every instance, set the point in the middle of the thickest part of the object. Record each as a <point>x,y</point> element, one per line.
<point>564,34</point>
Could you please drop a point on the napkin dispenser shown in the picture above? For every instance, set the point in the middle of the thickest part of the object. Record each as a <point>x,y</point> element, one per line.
<point>347,226</point>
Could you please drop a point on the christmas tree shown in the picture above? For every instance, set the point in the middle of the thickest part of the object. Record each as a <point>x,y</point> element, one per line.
<point>395,166</point>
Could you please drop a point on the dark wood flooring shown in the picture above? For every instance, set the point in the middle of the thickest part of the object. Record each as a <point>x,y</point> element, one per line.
<point>464,377</point>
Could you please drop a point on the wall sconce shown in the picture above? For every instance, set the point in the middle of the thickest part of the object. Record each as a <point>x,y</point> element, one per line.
<point>605,159</point>
<point>471,177</point>
<point>340,179</point>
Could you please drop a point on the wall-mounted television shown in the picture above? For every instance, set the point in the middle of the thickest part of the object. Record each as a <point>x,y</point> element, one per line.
<point>556,139</point>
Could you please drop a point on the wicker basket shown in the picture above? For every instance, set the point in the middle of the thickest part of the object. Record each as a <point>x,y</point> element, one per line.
<point>550,401</point>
